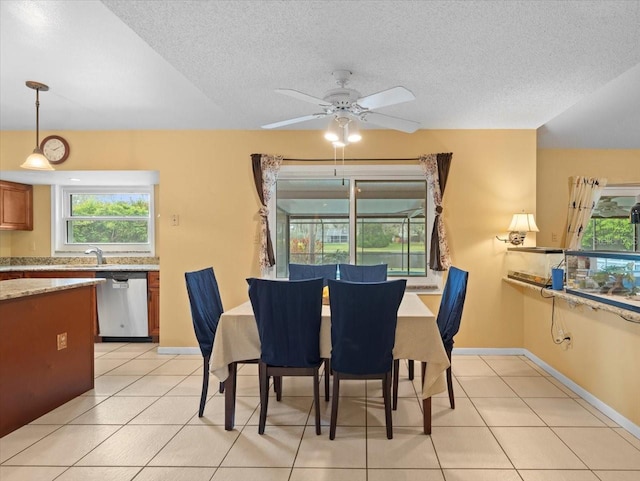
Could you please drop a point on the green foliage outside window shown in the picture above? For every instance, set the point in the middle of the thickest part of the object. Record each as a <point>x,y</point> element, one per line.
<point>615,234</point>
<point>129,225</point>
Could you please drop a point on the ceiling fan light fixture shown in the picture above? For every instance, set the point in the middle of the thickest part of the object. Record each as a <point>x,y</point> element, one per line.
<point>36,160</point>
<point>353,131</point>
<point>333,133</point>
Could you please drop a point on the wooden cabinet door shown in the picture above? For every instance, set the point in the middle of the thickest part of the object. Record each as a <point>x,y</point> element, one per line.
<point>5,276</point>
<point>153,285</point>
<point>16,206</point>
<point>70,274</point>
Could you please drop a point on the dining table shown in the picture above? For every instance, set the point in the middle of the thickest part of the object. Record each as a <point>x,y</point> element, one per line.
<point>417,338</point>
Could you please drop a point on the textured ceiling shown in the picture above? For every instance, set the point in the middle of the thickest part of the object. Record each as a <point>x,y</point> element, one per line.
<point>570,67</point>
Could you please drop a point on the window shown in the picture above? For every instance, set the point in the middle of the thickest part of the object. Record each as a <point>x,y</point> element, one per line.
<point>116,219</point>
<point>609,228</point>
<point>364,215</point>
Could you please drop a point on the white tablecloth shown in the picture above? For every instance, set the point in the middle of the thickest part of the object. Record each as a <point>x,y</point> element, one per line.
<point>417,337</point>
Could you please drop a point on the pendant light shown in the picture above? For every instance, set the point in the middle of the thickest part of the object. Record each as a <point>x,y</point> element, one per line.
<point>37,160</point>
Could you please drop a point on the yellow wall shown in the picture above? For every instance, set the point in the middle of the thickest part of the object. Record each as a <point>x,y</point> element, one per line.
<point>205,177</point>
<point>555,166</point>
<point>605,353</point>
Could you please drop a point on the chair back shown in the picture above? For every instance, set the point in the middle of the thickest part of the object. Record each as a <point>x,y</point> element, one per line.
<point>206,306</point>
<point>375,273</point>
<point>288,315</point>
<point>299,272</point>
<point>364,316</point>
<point>451,305</point>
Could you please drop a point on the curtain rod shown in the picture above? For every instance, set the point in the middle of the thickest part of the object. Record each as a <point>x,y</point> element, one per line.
<point>351,160</point>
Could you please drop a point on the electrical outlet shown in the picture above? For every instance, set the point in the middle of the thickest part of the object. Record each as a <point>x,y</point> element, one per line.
<point>62,341</point>
<point>554,237</point>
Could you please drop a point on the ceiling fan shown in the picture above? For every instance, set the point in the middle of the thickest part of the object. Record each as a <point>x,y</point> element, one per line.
<point>346,104</point>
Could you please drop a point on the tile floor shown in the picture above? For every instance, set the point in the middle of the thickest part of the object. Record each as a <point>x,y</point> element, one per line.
<point>511,422</point>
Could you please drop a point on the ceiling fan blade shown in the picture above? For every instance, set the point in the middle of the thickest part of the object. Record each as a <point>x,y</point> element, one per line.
<point>282,123</point>
<point>392,96</point>
<point>304,97</point>
<point>408,126</point>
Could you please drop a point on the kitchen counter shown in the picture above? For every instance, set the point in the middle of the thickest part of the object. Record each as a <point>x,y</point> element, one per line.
<point>16,288</point>
<point>83,267</point>
<point>46,346</point>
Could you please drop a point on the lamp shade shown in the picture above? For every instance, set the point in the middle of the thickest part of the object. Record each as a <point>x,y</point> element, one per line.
<point>634,214</point>
<point>523,223</point>
<point>37,161</point>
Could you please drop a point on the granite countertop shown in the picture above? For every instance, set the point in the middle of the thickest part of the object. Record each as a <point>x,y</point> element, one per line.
<point>83,267</point>
<point>17,288</point>
<point>577,300</point>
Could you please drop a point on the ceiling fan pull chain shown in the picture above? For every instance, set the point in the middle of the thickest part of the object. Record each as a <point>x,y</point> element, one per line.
<point>335,161</point>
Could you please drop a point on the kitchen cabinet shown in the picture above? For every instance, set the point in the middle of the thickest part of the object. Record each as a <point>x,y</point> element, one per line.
<point>66,274</point>
<point>16,206</point>
<point>46,346</point>
<point>5,276</point>
<point>153,285</point>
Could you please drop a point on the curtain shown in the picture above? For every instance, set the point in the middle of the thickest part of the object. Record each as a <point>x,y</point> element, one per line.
<point>436,169</point>
<point>265,174</point>
<point>584,193</point>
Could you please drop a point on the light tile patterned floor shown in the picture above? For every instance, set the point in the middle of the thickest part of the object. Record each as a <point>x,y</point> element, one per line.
<point>512,422</point>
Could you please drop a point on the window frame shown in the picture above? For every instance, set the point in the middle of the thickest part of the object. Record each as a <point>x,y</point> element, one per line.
<point>60,214</point>
<point>430,284</point>
<point>628,190</point>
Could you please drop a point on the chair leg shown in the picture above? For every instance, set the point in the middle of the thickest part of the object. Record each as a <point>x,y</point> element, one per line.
<point>410,366</point>
<point>221,388</point>
<point>205,386</point>
<point>386,394</point>
<point>327,373</point>
<point>316,398</point>
<point>452,400</point>
<point>396,374</point>
<point>264,396</point>
<point>334,405</point>
<point>277,387</point>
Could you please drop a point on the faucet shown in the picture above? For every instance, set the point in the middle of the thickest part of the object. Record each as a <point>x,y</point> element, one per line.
<point>97,251</point>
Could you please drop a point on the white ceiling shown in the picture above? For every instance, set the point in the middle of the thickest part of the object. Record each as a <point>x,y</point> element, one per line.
<point>570,68</point>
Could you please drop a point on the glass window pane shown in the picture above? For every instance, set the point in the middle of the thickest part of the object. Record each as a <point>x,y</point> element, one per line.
<point>391,224</point>
<point>107,232</point>
<point>110,205</point>
<point>312,222</point>
<point>609,228</point>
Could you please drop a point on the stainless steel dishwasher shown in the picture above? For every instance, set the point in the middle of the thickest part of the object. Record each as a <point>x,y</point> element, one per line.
<point>122,306</point>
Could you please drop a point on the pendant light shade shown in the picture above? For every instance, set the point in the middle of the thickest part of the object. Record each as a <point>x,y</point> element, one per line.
<point>37,161</point>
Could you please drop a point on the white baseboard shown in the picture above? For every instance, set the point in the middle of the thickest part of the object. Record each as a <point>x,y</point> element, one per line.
<point>583,393</point>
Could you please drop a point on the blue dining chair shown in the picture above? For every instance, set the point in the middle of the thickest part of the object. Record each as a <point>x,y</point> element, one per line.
<point>307,271</point>
<point>448,320</point>
<point>359,273</point>
<point>206,309</point>
<point>288,315</point>
<point>364,316</point>
<point>299,272</point>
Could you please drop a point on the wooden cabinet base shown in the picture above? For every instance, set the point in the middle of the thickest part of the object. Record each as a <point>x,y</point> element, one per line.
<point>46,353</point>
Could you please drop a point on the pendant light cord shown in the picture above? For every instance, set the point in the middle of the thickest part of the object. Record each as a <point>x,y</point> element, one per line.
<point>38,119</point>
